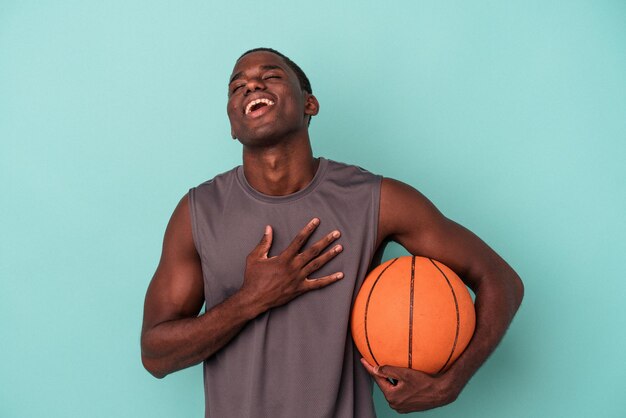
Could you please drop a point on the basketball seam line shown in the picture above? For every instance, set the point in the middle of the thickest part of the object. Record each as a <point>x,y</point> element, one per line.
<point>369,296</point>
<point>458,318</point>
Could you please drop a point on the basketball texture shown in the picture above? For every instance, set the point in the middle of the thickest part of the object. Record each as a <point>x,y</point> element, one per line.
<point>413,312</point>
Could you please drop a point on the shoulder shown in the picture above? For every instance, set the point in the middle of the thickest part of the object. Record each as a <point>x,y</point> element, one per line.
<point>404,211</point>
<point>219,179</point>
<point>349,174</point>
<point>340,166</point>
<point>396,195</point>
<point>214,190</point>
<point>178,239</point>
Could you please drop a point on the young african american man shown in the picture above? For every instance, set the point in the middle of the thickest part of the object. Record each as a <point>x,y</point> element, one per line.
<point>274,337</point>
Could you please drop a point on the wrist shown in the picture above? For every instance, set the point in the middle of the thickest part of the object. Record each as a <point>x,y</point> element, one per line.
<point>248,303</point>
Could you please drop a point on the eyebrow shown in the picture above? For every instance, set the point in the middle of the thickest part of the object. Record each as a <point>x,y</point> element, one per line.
<point>262,67</point>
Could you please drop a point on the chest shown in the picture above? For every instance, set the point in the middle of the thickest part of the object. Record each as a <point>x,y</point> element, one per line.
<point>233,232</point>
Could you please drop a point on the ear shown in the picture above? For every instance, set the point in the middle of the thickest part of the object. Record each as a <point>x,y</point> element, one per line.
<point>311,105</point>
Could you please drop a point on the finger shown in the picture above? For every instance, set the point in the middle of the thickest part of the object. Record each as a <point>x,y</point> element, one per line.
<point>385,385</point>
<point>315,249</point>
<point>370,369</point>
<point>318,262</point>
<point>301,238</point>
<point>266,242</point>
<point>312,284</point>
<point>401,373</point>
<point>390,372</point>
<point>376,372</point>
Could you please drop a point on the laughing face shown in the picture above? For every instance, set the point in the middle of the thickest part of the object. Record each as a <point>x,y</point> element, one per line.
<point>265,101</point>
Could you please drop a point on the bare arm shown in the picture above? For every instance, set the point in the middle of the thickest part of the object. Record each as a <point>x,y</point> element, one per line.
<point>407,217</point>
<point>174,337</point>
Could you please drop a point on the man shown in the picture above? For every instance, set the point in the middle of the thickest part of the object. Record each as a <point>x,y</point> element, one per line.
<point>274,337</point>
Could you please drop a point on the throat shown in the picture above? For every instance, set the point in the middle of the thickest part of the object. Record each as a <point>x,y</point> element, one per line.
<point>281,179</point>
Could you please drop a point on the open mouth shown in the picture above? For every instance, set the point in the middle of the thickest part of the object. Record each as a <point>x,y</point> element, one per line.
<point>257,104</point>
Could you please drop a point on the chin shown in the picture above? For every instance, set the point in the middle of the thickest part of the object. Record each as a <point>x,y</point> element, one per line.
<point>264,136</point>
<point>260,139</point>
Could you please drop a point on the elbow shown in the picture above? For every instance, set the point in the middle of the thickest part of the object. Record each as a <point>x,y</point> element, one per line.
<point>518,291</point>
<point>152,363</point>
<point>152,366</point>
<point>505,289</point>
<point>515,294</point>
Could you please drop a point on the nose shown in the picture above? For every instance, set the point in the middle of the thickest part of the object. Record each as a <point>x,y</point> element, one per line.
<point>254,84</point>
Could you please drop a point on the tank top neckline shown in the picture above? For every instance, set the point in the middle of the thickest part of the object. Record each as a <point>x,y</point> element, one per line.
<point>251,191</point>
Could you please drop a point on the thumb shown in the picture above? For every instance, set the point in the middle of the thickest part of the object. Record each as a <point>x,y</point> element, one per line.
<point>396,373</point>
<point>266,242</point>
<point>376,371</point>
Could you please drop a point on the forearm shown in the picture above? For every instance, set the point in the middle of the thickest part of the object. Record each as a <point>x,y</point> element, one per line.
<point>497,299</point>
<point>180,343</point>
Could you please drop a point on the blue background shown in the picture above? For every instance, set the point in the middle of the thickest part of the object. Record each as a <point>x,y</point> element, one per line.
<point>509,116</point>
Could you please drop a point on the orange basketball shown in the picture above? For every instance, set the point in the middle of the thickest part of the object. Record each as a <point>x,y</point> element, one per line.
<point>413,312</point>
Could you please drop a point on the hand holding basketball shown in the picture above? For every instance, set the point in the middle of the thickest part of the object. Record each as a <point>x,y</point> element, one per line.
<point>413,390</point>
<point>412,318</point>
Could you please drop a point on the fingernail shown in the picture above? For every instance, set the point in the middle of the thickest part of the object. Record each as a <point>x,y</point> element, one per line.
<point>338,248</point>
<point>315,221</point>
<point>267,229</point>
<point>339,275</point>
<point>336,234</point>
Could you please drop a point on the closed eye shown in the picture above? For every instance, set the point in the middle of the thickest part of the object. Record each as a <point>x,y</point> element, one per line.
<point>236,88</point>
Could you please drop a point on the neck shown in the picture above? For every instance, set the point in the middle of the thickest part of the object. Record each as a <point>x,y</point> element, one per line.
<point>280,169</point>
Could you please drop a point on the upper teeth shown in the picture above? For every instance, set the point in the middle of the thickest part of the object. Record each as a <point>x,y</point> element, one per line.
<point>257,101</point>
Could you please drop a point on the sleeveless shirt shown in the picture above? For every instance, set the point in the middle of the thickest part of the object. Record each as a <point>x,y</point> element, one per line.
<point>296,360</point>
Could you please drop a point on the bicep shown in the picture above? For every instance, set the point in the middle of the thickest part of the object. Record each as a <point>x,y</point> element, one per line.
<point>409,218</point>
<point>176,290</point>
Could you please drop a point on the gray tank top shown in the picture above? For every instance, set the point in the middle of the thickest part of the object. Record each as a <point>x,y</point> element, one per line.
<point>296,360</point>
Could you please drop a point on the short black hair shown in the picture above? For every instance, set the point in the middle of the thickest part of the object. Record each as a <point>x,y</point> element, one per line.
<point>305,84</point>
